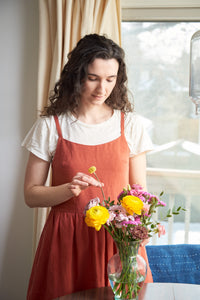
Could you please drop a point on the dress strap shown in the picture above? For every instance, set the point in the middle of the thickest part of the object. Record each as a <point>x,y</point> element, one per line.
<point>122,123</point>
<point>58,126</point>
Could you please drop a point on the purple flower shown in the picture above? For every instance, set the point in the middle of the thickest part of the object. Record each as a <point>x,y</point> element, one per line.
<point>136,187</point>
<point>136,194</point>
<point>146,194</point>
<point>120,194</point>
<point>92,203</point>
<point>137,218</point>
<point>146,215</point>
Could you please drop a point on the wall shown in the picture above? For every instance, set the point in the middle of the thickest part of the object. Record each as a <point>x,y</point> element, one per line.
<point>18,73</point>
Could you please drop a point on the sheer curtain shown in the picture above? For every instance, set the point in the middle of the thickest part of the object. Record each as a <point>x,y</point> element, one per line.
<point>61,24</point>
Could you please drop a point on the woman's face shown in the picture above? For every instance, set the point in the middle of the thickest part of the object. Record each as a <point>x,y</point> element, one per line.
<point>101,79</point>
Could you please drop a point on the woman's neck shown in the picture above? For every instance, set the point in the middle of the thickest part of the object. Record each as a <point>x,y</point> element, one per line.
<point>94,115</point>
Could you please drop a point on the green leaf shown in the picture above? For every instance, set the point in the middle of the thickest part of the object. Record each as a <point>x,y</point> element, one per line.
<point>148,223</point>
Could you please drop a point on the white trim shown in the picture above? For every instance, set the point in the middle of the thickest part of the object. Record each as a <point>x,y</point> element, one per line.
<point>174,173</point>
<point>189,14</point>
<point>158,10</point>
<point>159,3</point>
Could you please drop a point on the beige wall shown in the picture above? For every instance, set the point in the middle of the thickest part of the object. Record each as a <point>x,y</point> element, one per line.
<point>18,71</point>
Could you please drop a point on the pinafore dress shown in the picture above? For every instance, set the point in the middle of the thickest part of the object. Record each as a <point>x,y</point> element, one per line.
<point>72,256</point>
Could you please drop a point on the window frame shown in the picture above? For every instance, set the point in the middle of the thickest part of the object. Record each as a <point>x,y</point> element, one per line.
<point>158,11</point>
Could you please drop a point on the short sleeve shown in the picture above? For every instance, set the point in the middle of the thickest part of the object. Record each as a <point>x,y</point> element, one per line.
<point>40,140</point>
<point>136,134</point>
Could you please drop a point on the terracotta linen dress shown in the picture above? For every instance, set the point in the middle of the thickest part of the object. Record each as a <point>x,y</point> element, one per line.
<point>72,256</point>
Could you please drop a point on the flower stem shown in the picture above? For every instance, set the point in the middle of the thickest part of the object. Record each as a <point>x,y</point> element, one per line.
<point>100,187</point>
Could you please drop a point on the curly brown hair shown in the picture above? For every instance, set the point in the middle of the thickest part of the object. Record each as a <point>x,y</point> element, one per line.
<point>67,91</point>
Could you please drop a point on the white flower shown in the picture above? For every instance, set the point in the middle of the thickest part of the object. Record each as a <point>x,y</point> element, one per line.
<point>111,218</point>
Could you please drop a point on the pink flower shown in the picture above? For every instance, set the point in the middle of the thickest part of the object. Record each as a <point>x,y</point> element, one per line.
<point>117,208</point>
<point>131,222</point>
<point>146,207</point>
<point>161,230</point>
<point>132,218</point>
<point>121,217</point>
<point>162,203</point>
<point>118,213</point>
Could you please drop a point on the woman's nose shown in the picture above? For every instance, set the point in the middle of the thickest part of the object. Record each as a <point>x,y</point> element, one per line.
<point>101,88</point>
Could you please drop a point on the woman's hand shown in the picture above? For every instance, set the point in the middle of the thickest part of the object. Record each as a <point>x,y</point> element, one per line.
<point>38,195</point>
<point>82,181</point>
<point>144,243</point>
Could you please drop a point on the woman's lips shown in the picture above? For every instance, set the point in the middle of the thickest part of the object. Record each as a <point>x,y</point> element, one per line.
<point>99,96</point>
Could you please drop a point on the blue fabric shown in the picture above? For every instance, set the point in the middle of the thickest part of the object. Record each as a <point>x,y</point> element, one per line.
<point>175,263</point>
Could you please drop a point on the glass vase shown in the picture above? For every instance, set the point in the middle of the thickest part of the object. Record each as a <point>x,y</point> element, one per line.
<point>127,271</point>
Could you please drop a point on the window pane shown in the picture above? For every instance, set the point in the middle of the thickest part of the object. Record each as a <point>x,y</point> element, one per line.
<point>157,56</point>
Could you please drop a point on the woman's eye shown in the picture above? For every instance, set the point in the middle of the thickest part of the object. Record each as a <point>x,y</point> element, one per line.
<point>92,78</point>
<point>110,80</point>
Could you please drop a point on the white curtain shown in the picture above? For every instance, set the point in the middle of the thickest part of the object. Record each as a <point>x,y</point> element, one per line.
<point>61,25</point>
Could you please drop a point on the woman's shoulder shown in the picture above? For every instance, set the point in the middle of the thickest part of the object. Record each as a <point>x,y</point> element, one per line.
<point>42,138</point>
<point>43,121</point>
<point>136,132</point>
<point>49,121</point>
<point>134,119</point>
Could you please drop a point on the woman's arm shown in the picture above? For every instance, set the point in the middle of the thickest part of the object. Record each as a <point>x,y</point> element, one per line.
<point>38,195</point>
<point>137,174</point>
<point>137,170</point>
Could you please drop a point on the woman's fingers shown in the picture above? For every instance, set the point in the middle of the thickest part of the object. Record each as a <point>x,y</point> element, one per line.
<point>81,181</point>
<point>75,189</point>
<point>85,180</point>
<point>91,181</point>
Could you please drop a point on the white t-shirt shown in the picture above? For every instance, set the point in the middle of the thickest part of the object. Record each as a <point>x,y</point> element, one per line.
<point>42,139</point>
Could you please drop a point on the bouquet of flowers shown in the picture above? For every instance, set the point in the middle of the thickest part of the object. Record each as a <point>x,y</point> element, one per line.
<point>129,222</point>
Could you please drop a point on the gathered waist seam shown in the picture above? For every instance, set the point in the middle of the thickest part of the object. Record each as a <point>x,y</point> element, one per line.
<point>66,210</point>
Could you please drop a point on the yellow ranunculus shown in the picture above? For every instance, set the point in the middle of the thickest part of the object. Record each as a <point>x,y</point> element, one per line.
<point>92,169</point>
<point>132,204</point>
<point>96,216</point>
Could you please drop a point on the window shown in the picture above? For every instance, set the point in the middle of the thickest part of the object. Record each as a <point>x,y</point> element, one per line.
<point>157,56</point>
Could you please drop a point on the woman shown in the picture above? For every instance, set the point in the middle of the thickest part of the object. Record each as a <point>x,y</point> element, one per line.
<point>89,122</point>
